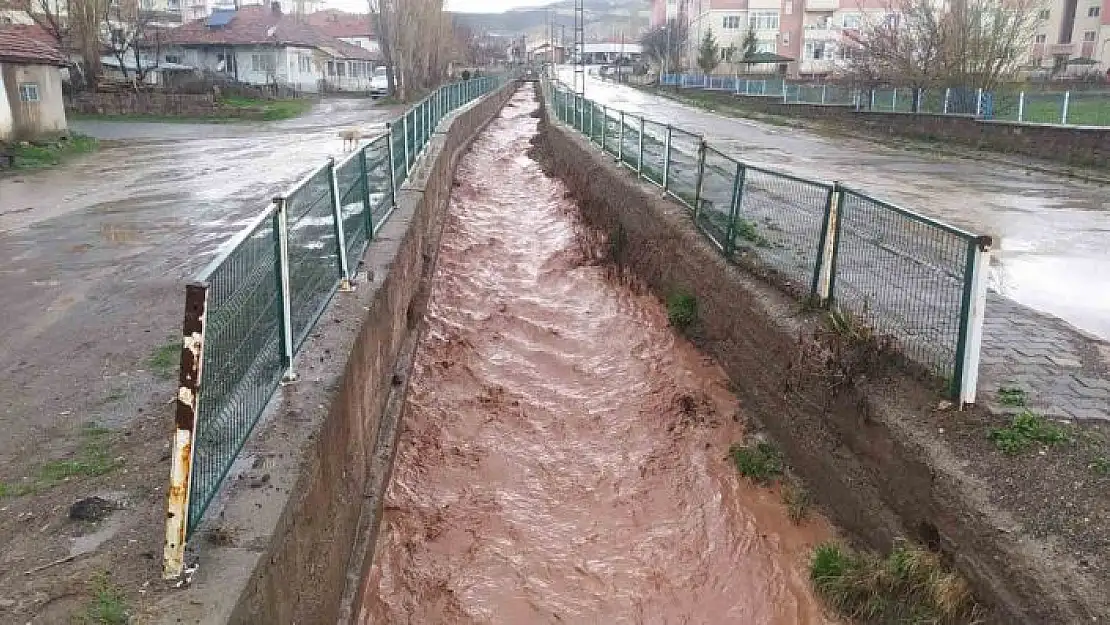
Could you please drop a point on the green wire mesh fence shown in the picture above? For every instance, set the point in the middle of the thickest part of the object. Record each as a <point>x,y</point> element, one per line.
<point>251,309</point>
<point>915,281</point>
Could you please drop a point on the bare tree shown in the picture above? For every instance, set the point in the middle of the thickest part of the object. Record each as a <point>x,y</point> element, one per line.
<point>922,43</point>
<point>133,31</point>
<point>408,32</point>
<point>663,45</point>
<point>73,24</point>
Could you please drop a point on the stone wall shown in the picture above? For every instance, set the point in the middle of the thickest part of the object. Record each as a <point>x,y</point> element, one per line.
<point>1081,146</point>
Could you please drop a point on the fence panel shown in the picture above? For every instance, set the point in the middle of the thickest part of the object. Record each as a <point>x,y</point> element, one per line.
<point>313,264</point>
<point>682,169</point>
<point>718,189</point>
<point>780,222</point>
<point>631,146</point>
<point>655,138</point>
<point>378,184</point>
<point>903,275</point>
<point>352,203</point>
<point>242,362</point>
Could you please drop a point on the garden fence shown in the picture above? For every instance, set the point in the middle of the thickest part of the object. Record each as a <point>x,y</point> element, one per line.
<point>915,281</point>
<point>251,309</point>
<point>1073,108</point>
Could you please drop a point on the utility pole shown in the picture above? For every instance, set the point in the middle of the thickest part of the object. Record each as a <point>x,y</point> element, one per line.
<point>579,48</point>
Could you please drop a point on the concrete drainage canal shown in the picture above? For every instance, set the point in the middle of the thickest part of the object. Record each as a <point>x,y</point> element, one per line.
<point>565,454</point>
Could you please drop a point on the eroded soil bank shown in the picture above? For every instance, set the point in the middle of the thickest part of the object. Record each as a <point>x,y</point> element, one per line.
<point>564,457</point>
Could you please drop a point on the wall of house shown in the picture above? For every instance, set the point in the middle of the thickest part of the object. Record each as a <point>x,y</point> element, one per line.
<point>7,123</point>
<point>286,64</point>
<point>363,42</point>
<point>30,120</point>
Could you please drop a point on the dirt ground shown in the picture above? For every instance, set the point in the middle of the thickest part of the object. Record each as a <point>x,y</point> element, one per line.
<point>94,257</point>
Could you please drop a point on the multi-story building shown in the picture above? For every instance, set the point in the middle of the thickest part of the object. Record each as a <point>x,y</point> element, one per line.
<point>798,37</point>
<point>663,11</point>
<point>1072,37</point>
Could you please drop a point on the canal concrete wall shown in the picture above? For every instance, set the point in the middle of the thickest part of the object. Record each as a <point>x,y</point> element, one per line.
<point>290,540</point>
<point>850,424</point>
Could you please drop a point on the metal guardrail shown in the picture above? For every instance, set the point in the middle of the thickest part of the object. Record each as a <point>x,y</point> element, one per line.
<point>1069,108</point>
<point>252,308</point>
<point>919,282</point>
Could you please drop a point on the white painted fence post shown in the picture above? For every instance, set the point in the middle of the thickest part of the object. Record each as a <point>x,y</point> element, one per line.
<point>1067,101</point>
<point>979,102</point>
<point>1021,106</point>
<point>824,90</point>
<point>947,92</point>
<point>976,314</point>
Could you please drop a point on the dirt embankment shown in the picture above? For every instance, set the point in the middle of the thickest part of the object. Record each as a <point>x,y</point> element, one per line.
<point>872,444</point>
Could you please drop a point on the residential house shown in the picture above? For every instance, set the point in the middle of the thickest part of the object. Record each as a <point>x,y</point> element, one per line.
<point>31,103</point>
<point>262,45</point>
<point>354,28</point>
<point>1072,38</point>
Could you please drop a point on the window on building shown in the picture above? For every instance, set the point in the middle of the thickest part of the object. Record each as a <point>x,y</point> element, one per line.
<point>763,20</point>
<point>765,46</point>
<point>331,68</point>
<point>341,69</point>
<point>1040,39</point>
<point>1043,15</point>
<point>731,22</point>
<point>1090,35</point>
<point>851,20</point>
<point>173,5</point>
<point>304,63</point>
<point>786,39</point>
<point>173,58</point>
<point>788,7</point>
<point>263,62</point>
<point>815,50</point>
<point>28,92</point>
<point>1094,11</point>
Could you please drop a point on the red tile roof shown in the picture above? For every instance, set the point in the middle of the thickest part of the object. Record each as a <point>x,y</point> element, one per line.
<point>335,23</point>
<point>30,45</point>
<point>261,25</point>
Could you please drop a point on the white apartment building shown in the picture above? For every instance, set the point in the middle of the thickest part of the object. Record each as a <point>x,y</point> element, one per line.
<point>1072,38</point>
<point>796,37</point>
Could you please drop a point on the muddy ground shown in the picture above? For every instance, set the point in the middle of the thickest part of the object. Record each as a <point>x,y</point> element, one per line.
<point>93,256</point>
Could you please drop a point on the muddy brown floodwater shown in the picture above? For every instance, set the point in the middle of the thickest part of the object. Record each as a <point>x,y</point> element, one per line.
<point>564,456</point>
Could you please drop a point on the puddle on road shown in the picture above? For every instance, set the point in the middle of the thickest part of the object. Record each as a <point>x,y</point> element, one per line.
<point>564,455</point>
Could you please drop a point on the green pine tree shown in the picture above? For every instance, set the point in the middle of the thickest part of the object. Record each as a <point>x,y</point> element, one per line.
<point>709,54</point>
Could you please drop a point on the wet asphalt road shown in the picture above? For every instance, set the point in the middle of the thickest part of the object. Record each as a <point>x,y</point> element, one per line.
<point>93,256</point>
<point>1053,234</point>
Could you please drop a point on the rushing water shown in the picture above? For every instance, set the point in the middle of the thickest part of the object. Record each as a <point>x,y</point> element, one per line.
<point>564,456</point>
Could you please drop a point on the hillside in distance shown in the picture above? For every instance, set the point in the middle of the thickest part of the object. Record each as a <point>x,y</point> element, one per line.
<point>605,19</point>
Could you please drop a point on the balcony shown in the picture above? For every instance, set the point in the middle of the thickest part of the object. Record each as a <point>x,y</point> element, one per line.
<point>822,5</point>
<point>824,31</point>
<point>1062,48</point>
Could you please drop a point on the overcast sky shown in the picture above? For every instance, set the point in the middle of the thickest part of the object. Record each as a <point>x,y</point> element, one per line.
<point>469,6</point>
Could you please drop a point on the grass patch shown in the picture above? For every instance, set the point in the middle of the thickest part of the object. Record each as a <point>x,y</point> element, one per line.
<point>1101,465</point>
<point>92,459</point>
<point>165,360</point>
<point>910,586</point>
<point>38,156</point>
<point>108,605</point>
<point>797,499</point>
<point>761,463</point>
<point>1011,396</point>
<point>682,311</point>
<point>1026,430</point>
<point>271,110</point>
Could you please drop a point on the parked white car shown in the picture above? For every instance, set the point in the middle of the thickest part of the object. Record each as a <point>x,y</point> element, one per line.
<point>379,83</point>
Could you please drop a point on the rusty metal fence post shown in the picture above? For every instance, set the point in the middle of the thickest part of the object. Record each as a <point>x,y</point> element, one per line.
<point>185,425</point>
